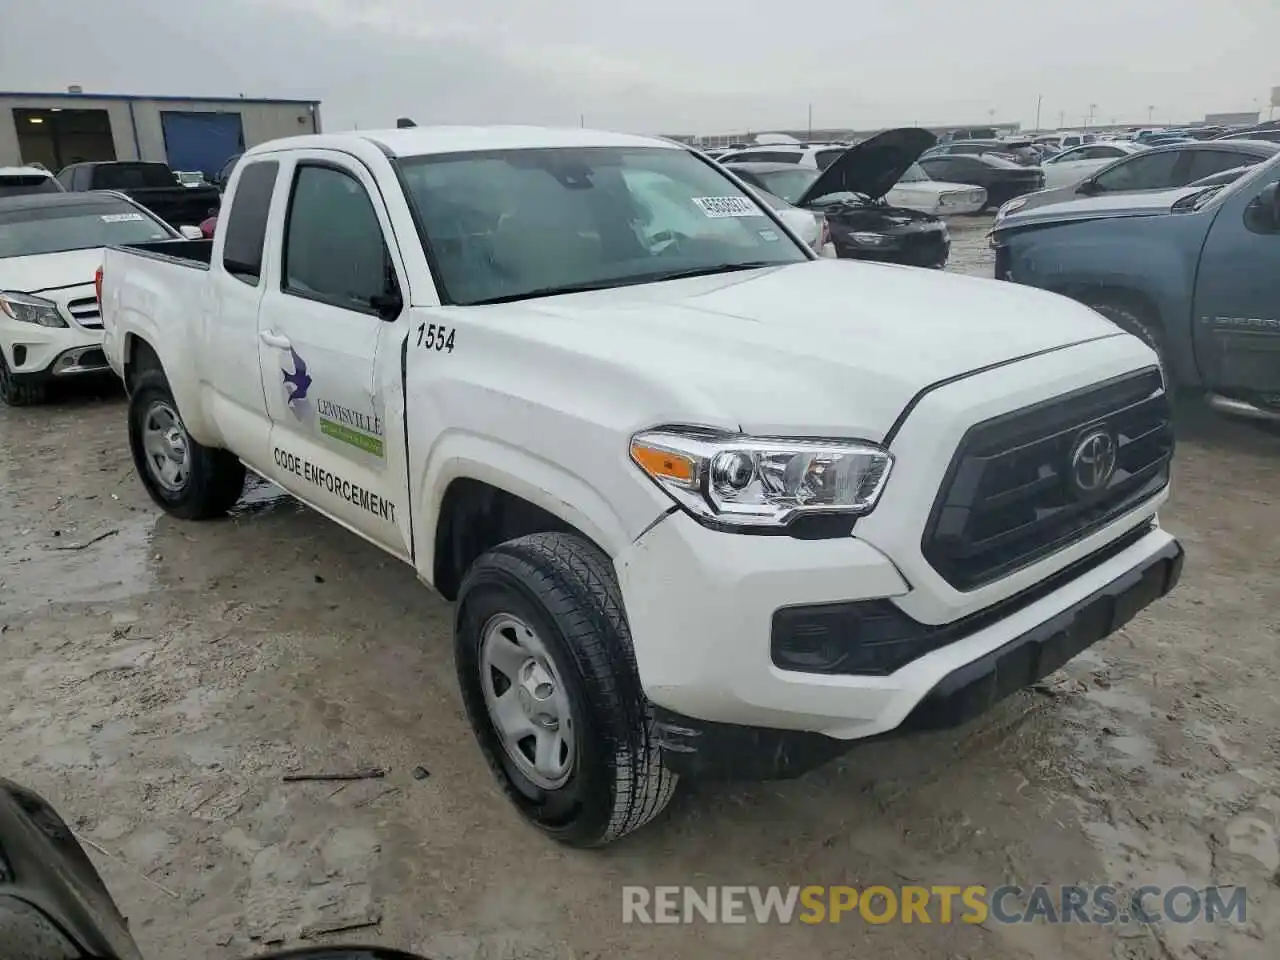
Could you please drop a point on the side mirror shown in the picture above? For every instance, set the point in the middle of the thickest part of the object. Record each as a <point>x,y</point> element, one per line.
<point>1088,188</point>
<point>387,305</point>
<point>191,233</point>
<point>1263,214</point>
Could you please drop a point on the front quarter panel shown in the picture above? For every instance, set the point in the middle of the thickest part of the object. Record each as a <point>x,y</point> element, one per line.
<point>532,418</point>
<point>1154,257</point>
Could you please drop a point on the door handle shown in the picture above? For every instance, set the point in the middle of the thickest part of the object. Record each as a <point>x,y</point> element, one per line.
<point>275,340</point>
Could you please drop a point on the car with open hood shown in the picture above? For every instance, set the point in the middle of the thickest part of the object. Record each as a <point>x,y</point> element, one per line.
<point>851,194</point>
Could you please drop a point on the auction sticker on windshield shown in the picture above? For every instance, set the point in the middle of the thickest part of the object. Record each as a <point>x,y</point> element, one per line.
<point>122,217</point>
<point>727,207</point>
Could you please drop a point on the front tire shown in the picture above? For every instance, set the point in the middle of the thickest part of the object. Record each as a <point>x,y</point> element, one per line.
<point>1133,320</point>
<point>185,478</point>
<point>549,680</point>
<point>16,393</point>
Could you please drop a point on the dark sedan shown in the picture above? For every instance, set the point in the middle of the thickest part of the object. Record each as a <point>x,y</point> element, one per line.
<point>1020,151</point>
<point>1002,179</point>
<point>1156,168</point>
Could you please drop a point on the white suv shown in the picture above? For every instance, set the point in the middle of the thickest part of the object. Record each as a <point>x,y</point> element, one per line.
<point>19,180</point>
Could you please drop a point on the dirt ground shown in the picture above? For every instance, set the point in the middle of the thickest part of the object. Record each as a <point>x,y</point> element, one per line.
<point>156,685</point>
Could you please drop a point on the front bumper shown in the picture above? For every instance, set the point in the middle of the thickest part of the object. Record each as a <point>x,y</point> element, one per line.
<point>708,749</point>
<point>701,605</point>
<point>41,353</point>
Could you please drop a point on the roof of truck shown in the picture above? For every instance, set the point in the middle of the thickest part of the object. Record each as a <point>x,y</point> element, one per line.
<point>416,141</point>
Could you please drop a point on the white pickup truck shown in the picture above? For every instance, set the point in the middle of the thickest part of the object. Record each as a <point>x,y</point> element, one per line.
<point>707,503</point>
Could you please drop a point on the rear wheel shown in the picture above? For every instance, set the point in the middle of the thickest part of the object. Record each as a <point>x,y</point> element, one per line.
<point>18,393</point>
<point>184,477</point>
<point>550,684</point>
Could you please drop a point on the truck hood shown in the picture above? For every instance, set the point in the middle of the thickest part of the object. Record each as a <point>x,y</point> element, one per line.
<point>49,271</point>
<point>821,348</point>
<point>1150,203</point>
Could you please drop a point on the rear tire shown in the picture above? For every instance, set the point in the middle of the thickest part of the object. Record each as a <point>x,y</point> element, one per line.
<point>185,478</point>
<point>1134,320</point>
<point>17,393</point>
<point>550,604</point>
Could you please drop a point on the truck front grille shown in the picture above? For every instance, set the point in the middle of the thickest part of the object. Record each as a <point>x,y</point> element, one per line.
<point>85,312</point>
<point>1026,484</point>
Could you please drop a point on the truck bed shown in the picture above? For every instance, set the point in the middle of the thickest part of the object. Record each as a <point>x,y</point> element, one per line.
<point>183,253</point>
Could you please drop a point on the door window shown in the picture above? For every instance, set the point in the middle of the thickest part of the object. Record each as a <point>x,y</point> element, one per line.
<point>1148,171</point>
<point>247,222</point>
<point>334,249</point>
<point>1205,163</point>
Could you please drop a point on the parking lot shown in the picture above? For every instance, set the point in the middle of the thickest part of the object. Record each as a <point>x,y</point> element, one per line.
<point>160,678</point>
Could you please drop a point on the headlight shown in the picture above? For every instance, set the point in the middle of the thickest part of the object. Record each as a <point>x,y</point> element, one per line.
<point>1017,203</point>
<point>27,309</point>
<point>742,481</point>
<point>864,239</point>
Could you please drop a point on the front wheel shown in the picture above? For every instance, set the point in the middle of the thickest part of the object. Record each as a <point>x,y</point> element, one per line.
<point>1133,320</point>
<point>186,478</point>
<point>549,680</point>
<point>15,392</point>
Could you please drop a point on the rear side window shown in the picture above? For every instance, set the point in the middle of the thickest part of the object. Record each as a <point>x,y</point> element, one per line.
<point>825,158</point>
<point>246,229</point>
<point>333,245</point>
<point>19,184</point>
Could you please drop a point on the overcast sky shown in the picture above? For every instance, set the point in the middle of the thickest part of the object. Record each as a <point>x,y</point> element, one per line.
<point>669,66</point>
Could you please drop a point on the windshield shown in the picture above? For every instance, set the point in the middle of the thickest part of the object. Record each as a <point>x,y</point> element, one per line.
<point>79,226</point>
<point>915,174</point>
<point>790,185</point>
<point>511,224</point>
<point>16,185</point>
<point>132,176</point>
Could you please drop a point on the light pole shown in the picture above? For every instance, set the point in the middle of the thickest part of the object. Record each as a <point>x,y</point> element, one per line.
<point>1039,101</point>
<point>1150,113</point>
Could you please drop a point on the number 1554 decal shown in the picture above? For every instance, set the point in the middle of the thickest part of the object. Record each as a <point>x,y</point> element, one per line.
<point>436,336</point>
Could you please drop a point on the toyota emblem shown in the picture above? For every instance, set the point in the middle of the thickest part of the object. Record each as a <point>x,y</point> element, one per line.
<point>1093,461</point>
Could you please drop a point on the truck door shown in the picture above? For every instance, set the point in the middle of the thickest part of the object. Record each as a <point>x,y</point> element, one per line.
<point>1237,299</point>
<point>322,328</point>
<point>228,338</point>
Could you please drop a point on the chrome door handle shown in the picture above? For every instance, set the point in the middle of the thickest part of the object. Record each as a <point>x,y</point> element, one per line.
<point>275,340</point>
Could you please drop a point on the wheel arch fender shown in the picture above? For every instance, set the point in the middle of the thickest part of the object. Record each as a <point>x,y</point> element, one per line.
<point>145,350</point>
<point>569,498</point>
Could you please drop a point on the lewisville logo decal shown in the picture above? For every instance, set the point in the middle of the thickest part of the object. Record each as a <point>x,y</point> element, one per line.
<point>350,426</point>
<point>296,385</point>
<point>360,430</point>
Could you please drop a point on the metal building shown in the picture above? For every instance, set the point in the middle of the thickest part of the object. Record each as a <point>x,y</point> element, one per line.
<point>189,133</point>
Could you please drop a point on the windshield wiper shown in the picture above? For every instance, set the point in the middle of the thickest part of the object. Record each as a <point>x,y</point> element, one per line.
<point>656,276</point>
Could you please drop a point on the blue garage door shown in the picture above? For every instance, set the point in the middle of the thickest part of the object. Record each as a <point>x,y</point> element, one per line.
<point>201,141</point>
